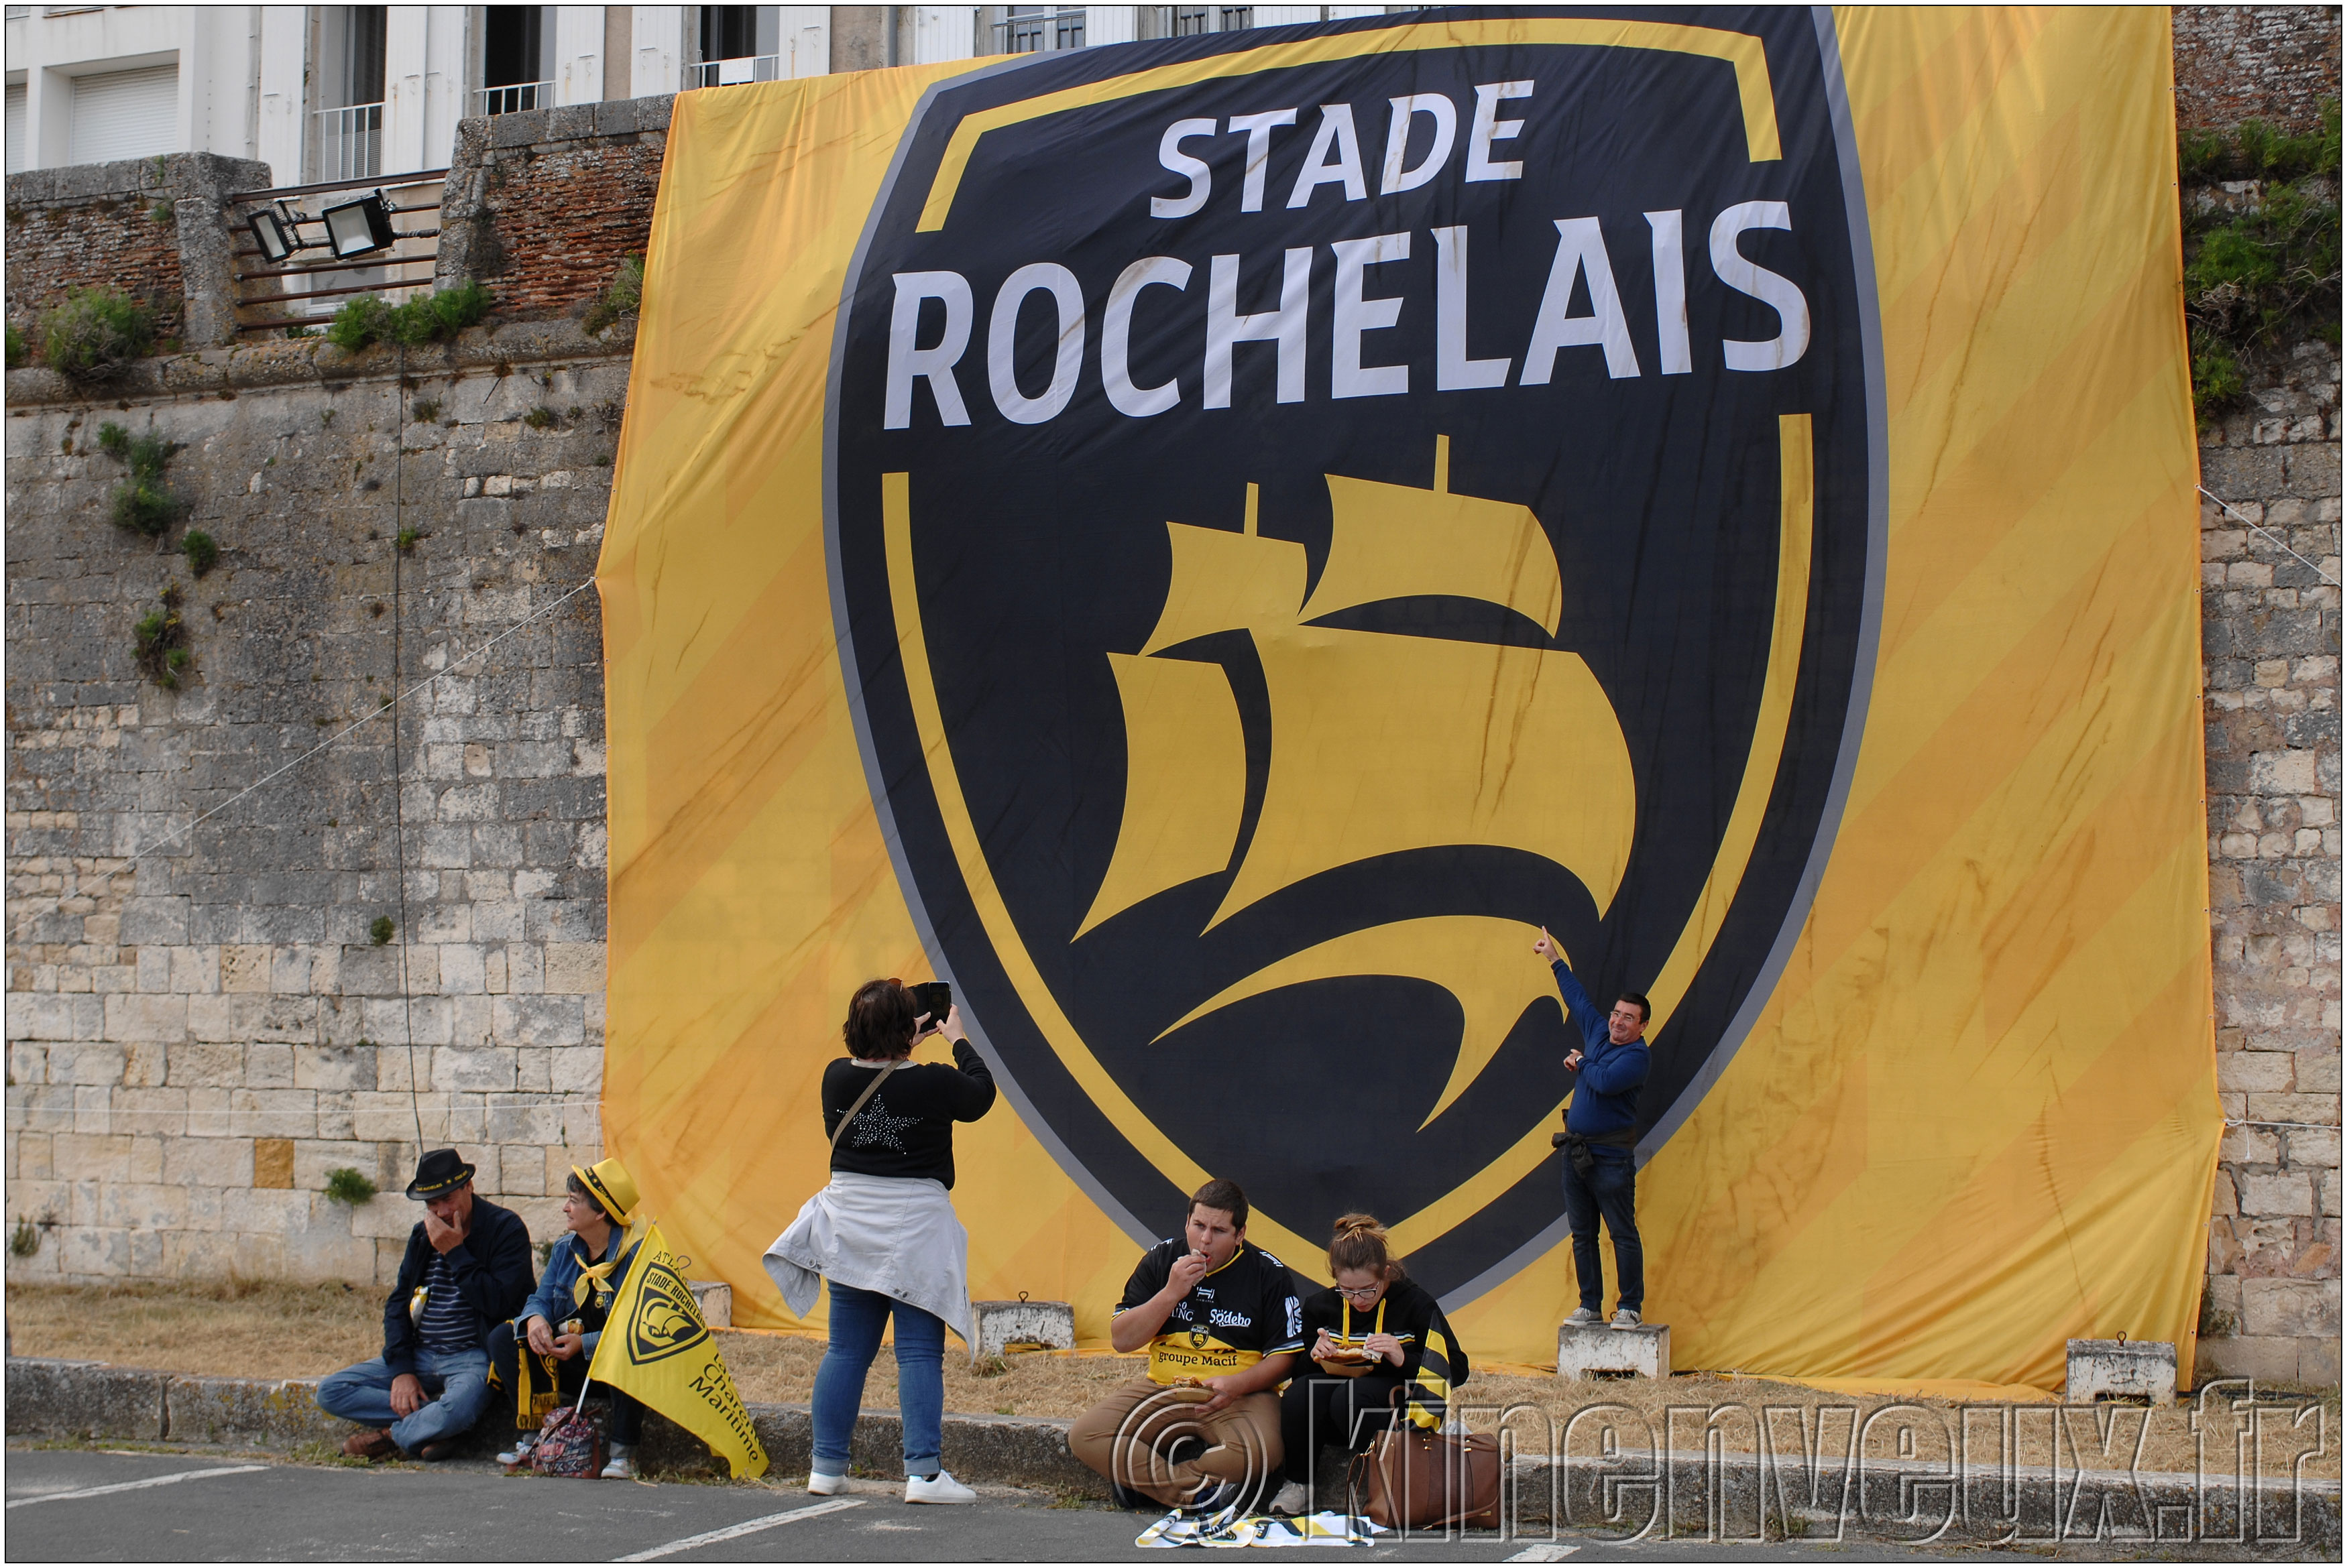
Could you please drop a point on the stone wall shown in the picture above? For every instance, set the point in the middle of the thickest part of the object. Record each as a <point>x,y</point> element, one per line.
<point>196,1036</point>
<point>2269,633</point>
<point>151,227</point>
<point>2278,64</point>
<point>544,206</point>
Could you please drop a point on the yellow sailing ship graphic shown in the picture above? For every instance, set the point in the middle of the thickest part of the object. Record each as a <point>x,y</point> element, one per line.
<point>1372,750</point>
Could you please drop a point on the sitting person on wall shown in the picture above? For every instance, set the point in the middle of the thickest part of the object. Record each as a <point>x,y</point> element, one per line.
<point>467,1268</point>
<point>561,1323</point>
<point>1222,1321</point>
<point>1384,1352</point>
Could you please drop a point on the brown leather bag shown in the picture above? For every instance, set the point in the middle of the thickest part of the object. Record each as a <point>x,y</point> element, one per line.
<point>1413,1478</point>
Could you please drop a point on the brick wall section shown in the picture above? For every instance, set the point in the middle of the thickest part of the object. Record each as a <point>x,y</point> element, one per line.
<point>544,206</point>
<point>196,1038</point>
<point>2270,63</point>
<point>2270,635</point>
<point>151,227</point>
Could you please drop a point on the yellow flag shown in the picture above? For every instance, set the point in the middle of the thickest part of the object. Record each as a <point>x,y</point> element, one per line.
<point>656,1348</point>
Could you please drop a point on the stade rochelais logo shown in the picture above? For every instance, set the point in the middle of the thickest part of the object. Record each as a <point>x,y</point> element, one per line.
<point>1311,505</point>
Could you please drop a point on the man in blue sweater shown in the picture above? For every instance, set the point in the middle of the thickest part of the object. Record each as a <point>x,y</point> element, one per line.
<point>1600,1130</point>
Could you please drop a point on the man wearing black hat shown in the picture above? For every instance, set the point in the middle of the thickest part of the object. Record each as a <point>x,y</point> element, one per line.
<point>467,1268</point>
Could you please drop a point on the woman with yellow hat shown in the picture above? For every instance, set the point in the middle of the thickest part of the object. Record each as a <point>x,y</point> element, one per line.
<point>560,1324</point>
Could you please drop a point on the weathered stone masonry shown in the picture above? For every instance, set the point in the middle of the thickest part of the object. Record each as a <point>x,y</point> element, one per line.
<point>194,1041</point>
<point>196,1038</point>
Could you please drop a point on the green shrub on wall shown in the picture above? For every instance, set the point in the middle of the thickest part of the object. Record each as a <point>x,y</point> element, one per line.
<point>427,318</point>
<point>2266,274</point>
<point>97,333</point>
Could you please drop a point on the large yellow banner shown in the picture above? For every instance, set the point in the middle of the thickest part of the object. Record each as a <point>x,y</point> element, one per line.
<point>1209,545</point>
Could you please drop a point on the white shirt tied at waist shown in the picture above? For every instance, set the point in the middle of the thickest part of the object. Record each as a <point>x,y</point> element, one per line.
<point>897,1236</point>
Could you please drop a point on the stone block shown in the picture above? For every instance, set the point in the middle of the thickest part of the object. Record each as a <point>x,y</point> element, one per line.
<point>2285,1192</point>
<point>248,1412</point>
<point>478,1068</point>
<point>2120,1370</point>
<point>2290,1308</point>
<point>135,1016</point>
<point>208,1161</point>
<point>204,1065</point>
<point>272,1163</point>
<point>35,1016</point>
<point>574,968</point>
<point>273,1113</point>
<point>1596,1351</point>
<point>715,1298</point>
<point>1001,1324</point>
<point>84,1400</point>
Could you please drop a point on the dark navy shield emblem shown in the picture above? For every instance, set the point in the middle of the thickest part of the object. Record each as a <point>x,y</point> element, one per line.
<point>1311,507</point>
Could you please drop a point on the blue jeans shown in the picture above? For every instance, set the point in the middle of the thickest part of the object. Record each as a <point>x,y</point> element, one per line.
<point>858,1317</point>
<point>1611,1191</point>
<point>458,1380</point>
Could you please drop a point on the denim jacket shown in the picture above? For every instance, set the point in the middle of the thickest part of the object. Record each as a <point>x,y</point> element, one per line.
<point>558,1297</point>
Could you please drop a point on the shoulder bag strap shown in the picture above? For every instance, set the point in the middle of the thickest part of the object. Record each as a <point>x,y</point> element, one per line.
<point>870,1089</point>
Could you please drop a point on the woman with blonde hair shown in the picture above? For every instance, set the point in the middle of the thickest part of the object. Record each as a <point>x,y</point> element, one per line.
<point>1384,1354</point>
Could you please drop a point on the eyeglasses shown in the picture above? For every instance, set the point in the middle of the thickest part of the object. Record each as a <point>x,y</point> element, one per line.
<point>1358,1291</point>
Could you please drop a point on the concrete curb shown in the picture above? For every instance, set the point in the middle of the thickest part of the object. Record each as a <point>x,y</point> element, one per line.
<point>1723,1497</point>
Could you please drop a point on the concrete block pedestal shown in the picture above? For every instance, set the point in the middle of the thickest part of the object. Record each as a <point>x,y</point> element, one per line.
<point>2121,1369</point>
<point>1594,1350</point>
<point>715,1299</point>
<point>1050,1324</point>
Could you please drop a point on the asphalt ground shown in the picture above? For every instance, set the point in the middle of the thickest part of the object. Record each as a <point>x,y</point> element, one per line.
<point>101,1505</point>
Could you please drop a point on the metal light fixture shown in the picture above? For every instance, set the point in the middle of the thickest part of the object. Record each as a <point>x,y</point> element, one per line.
<point>358,228</point>
<point>275,237</point>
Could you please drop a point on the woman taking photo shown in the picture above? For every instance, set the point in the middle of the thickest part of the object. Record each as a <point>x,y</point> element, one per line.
<point>1383,1353</point>
<point>884,1232</point>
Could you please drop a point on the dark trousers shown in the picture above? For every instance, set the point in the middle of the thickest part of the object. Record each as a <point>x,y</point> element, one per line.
<point>1610,1190</point>
<point>505,1352</point>
<point>1344,1413</point>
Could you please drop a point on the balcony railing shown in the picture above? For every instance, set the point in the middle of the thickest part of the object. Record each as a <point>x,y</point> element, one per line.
<point>734,72</point>
<point>350,142</point>
<point>513,98</point>
<point>1040,31</point>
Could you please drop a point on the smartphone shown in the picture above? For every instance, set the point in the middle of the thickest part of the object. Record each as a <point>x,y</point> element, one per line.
<point>934,997</point>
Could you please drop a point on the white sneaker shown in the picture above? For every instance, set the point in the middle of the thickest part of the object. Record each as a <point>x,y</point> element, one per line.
<point>824,1486</point>
<point>938,1488</point>
<point>1627,1318</point>
<point>1584,1317</point>
<point>620,1463</point>
<point>520,1453</point>
<point>1294,1499</point>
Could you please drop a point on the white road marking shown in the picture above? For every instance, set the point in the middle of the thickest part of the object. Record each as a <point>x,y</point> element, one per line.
<point>137,1485</point>
<point>1547,1551</point>
<point>749,1527</point>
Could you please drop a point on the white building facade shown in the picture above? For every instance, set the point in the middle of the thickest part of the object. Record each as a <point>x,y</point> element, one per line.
<point>324,93</point>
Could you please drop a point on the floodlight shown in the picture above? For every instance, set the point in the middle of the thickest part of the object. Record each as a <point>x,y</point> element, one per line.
<point>356,228</point>
<point>272,235</point>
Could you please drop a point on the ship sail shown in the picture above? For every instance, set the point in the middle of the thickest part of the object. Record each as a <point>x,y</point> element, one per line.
<point>1380,743</point>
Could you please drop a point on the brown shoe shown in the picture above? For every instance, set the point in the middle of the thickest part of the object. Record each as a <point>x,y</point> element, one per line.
<point>371,1442</point>
<point>437,1449</point>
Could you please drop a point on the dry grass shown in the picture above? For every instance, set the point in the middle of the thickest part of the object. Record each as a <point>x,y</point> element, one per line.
<point>252,1329</point>
<point>223,1328</point>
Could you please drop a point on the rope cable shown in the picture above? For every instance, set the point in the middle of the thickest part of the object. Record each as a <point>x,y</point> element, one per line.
<point>399,543</point>
<point>2279,543</point>
<point>275,774</point>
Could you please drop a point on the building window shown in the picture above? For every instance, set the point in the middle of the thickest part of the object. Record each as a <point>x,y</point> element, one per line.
<point>730,33</point>
<point>124,114</point>
<point>1037,30</point>
<point>350,115</point>
<point>515,72</point>
<point>1191,21</point>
